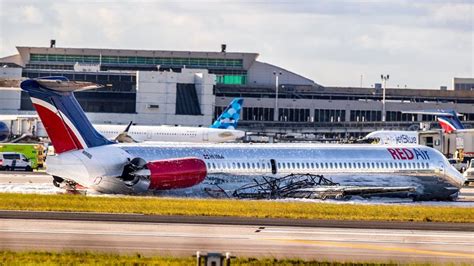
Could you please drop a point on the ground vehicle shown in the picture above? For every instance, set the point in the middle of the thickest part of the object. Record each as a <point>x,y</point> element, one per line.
<point>469,173</point>
<point>34,152</point>
<point>14,160</point>
<point>459,165</point>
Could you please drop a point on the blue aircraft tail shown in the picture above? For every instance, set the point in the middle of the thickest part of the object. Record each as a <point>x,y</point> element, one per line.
<point>231,115</point>
<point>62,116</point>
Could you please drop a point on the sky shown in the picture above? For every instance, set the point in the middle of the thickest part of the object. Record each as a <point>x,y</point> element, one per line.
<point>420,44</point>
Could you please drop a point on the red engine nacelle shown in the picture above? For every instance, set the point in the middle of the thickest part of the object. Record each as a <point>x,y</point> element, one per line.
<point>176,173</point>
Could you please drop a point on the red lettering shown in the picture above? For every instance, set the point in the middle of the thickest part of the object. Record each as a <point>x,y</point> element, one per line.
<point>393,153</point>
<point>408,153</point>
<point>401,154</point>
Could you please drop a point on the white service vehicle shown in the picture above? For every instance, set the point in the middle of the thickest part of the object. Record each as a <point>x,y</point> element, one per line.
<point>14,160</point>
<point>469,173</point>
<point>458,164</point>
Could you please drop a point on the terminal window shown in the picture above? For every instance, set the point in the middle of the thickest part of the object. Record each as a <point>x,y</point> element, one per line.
<point>365,115</point>
<point>293,115</point>
<point>187,102</point>
<point>257,114</point>
<point>137,60</point>
<point>329,115</point>
<point>231,79</point>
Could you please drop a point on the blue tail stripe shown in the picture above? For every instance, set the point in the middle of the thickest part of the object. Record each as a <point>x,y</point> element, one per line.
<point>454,120</point>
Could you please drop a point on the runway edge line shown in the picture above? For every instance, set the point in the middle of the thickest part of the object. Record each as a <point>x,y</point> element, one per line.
<point>228,220</point>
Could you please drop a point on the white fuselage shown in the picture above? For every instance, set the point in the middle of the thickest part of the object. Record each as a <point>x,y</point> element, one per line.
<point>417,166</point>
<point>394,137</point>
<point>170,133</point>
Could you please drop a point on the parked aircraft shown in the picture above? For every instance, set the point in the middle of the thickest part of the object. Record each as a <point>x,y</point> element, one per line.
<point>88,159</point>
<point>448,120</point>
<point>222,130</point>
<point>395,137</point>
<point>4,131</point>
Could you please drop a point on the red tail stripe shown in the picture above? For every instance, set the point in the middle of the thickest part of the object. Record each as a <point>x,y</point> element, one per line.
<point>58,132</point>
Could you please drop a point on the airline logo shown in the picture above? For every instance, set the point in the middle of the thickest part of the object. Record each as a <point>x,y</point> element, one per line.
<point>402,139</point>
<point>408,154</point>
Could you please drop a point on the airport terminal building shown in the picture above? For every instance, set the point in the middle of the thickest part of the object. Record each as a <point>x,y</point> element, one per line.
<point>191,88</point>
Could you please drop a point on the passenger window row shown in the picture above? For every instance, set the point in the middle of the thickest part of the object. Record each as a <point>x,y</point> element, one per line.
<point>317,166</point>
<point>237,165</point>
<point>156,133</point>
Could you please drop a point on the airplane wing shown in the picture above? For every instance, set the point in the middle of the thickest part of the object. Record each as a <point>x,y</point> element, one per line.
<point>62,84</point>
<point>12,83</point>
<point>341,192</point>
<point>124,137</point>
<point>449,113</point>
<point>15,117</point>
<point>309,187</point>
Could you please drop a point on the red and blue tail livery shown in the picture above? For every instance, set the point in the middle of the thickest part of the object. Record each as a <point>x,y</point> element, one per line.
<point>450,122</point>
<point>447,119</point>
<point>62,116</point>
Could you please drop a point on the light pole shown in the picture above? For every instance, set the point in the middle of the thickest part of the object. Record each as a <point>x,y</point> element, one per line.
<point>275,113</point>
<point>384,80</point>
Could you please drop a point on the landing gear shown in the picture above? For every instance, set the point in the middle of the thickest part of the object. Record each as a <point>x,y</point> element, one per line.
<point>69,186</point>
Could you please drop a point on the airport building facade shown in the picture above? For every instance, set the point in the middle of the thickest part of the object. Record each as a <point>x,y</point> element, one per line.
<point>192,88</point>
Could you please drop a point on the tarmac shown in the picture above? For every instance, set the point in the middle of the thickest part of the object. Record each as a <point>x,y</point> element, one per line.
<point>184,239</point>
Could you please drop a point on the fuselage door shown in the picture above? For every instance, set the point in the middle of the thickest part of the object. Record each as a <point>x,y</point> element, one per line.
<point>205,136</point>
<point>274,166</point>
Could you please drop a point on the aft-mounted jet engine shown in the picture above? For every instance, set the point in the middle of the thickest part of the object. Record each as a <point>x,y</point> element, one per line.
<point>164,174</point>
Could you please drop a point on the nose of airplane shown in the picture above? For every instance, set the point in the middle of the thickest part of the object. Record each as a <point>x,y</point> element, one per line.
<point>454,176</point>
<point>4,131</point>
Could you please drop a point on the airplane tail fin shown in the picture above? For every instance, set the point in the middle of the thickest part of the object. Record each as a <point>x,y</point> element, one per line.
<point>450,122</point>
<point>62,116</point>
<point>447,119</point>
<point>231,115</point>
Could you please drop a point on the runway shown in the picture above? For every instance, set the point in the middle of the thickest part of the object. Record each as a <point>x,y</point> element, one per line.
<point>342,244</point>
<point>182,236</point>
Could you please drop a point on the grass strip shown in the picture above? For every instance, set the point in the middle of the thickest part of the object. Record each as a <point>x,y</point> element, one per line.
<point>96,258</point>
<point>236,208</point>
